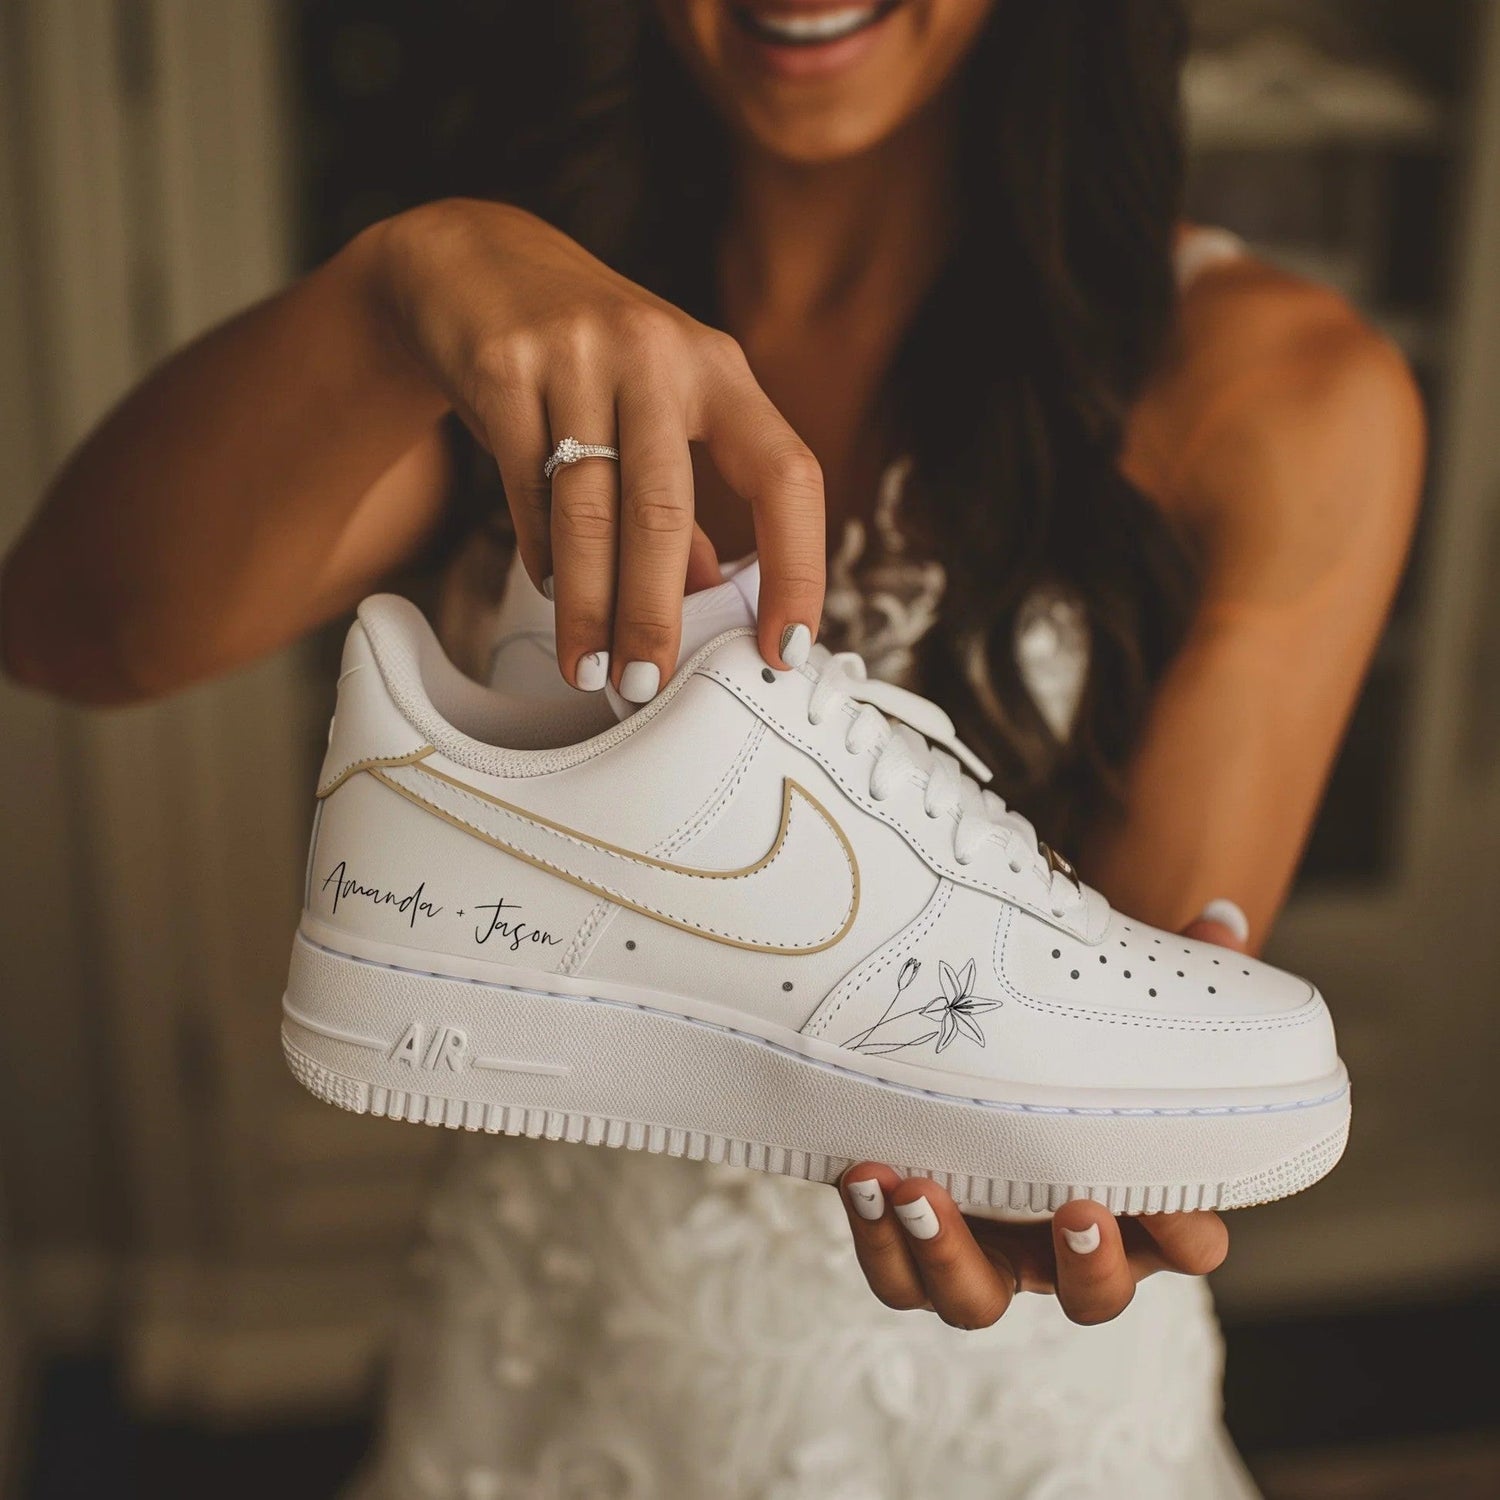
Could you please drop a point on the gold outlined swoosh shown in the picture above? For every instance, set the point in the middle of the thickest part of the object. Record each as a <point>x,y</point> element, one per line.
<point>807,834</point>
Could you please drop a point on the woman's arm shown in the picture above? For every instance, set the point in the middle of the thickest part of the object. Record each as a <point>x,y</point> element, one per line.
<point>254,486</point>
<point>266,477</point>
<point>1303,488</point>
<point>1302,485</point>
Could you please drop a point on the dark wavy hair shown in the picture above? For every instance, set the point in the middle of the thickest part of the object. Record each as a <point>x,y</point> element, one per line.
<point>1013,384</point>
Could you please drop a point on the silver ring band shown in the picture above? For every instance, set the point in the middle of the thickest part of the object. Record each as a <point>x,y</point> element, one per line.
<point>571,451</point>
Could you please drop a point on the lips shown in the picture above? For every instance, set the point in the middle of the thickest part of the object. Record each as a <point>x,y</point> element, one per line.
<point>806,27</point>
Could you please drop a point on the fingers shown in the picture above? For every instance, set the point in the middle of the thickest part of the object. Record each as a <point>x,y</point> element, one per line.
<point>879,1241</point>
<point>703,571</point>
<point>966,1287</point>
<point>585,500</point>
<point>656,539</point>
<point>766,463</point>
<point>1095,1280</point>
<point>616,545</point>
<point>918,1251</point>
<point>1223,922</point>
<point>1191,1244</point>
<point>514,428</point>
<point>1024,1248</point>
<point>1216,933</point>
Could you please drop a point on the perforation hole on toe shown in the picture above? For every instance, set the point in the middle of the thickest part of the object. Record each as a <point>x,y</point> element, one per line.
<point>1125,971</point>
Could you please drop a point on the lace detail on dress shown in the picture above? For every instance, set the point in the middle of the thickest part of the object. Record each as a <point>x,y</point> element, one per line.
<point>882,600</point>
<point>588,1324</point>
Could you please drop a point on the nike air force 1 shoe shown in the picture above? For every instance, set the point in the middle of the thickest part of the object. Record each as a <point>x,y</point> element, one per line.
<point>771,919</point>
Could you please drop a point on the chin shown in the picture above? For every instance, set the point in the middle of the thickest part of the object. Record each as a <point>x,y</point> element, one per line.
<point>815,82</point>
<point>832,136</point>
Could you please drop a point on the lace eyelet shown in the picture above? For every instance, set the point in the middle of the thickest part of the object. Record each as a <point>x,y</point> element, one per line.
<point>1057,911</point>
<point>1016,869</point>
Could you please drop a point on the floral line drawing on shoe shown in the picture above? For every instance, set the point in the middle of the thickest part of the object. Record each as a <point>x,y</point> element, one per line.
<point>954,1011</point>
<point>860,1041</point>
<point>957,1006</point>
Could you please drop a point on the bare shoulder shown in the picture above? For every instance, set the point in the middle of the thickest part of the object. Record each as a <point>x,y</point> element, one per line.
<point>1281,421</point>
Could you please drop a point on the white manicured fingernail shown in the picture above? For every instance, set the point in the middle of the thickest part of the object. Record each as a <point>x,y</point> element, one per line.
<point>868,1200</point>
<point>639,681</point>
<point>592,671</point>
<point>548,587</point>
<point>796,642</point>
<point>1227,914</point>
<point>920,1222</point>
<point>1082,1241</point>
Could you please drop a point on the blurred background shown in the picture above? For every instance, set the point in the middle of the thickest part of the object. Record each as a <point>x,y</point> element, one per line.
<point>196,1258</point>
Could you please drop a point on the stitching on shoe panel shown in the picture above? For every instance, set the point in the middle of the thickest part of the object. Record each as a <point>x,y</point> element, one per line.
<point>581,946</point>
<point>1304,1015</point>
<point>620,899</point>
<point>961,877</point>
<point>914,934</point>
<point>1008,1107</point>
<point>370,762</point>
<point>728,784</point>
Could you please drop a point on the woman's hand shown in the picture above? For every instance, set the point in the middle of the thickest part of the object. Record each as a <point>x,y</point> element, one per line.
<point>921,1252</point>
<point>533,340</point>
<point>918,1251</point>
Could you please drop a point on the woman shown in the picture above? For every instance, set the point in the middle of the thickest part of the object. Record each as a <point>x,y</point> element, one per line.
<point>1130,504</point>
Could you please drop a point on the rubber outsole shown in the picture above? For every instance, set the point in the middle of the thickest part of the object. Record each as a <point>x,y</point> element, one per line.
<point>583,1087</point>
<point>1286,1178</point>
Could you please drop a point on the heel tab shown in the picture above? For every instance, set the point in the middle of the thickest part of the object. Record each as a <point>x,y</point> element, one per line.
<point>394,625</point>
<point>357,650</point>
<point>386,606</point>
<point>368,723</point>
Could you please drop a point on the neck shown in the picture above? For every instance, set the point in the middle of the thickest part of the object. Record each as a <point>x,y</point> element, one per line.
<point>861,236</point>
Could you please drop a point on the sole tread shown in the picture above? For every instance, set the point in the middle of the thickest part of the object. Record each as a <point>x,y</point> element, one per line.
<point>349,1094</point>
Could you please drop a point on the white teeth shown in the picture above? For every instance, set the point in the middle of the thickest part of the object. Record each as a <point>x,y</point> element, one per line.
<point>828,26</point>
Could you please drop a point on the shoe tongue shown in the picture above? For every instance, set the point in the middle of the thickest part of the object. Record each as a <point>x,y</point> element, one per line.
<point>729,606</point>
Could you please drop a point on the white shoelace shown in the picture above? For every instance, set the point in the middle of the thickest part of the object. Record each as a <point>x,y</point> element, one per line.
<point>923,742</point>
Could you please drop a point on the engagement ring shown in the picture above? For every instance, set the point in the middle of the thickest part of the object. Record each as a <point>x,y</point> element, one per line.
<point>571,451</point>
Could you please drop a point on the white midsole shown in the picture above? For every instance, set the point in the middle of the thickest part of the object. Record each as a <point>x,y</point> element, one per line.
<point>1005,1093</point>
<point>398,1028</point>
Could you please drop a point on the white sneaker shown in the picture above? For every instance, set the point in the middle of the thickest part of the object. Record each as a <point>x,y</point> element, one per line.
<point>768,920</point>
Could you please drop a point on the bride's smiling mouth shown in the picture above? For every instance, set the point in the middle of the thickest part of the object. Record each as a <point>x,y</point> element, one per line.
<point>806,26</point>
<point>798,39</point>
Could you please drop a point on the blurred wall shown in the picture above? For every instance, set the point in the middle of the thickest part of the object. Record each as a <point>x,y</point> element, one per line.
<point>141,199</point>
<point>52,1135</point>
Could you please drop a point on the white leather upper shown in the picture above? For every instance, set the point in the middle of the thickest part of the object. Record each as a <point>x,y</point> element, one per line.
<point>645,860</point>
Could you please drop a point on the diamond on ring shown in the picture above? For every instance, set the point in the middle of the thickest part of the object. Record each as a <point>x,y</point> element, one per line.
<point>571,451</point>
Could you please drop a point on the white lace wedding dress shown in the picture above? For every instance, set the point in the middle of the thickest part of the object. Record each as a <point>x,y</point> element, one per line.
<point>588,1324</point>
